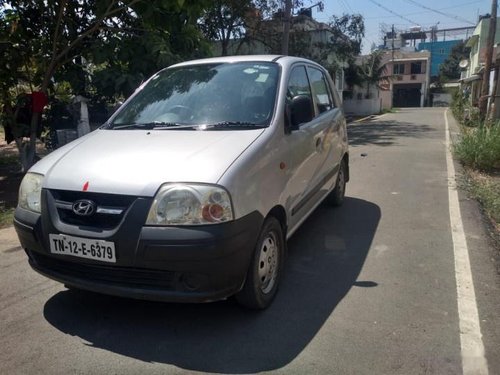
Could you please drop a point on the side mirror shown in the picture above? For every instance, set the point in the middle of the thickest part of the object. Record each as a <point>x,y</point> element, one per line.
<point>301,111</point>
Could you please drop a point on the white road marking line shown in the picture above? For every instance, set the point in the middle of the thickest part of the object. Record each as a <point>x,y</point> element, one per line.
<point>473,359</point>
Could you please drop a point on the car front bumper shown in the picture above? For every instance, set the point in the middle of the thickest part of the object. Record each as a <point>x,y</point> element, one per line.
<point>177,264</point>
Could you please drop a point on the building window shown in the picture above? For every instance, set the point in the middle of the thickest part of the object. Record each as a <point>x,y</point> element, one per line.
<point>399,69</point>
<point>416,68</point>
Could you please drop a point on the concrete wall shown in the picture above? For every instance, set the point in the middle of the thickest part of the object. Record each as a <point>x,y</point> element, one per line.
<point>441,99</point>
<point>386,98</point>
<point>362,107</point>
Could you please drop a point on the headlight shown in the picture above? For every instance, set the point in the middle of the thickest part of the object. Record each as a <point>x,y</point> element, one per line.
<point>30,192</point>
<point>180,204</point>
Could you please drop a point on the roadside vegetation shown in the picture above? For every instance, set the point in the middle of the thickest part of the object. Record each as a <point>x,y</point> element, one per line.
<point>9,177</point>
<point>478,149</point>
<point>6,217</point>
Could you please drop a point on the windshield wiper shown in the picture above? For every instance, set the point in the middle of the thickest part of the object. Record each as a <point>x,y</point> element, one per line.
<point>155,125</point>
<point>146,125</point>
<point>217,125</point>
<point>236,124</point>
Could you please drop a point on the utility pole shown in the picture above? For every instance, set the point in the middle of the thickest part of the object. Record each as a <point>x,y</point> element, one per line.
<point>392,45</point>
<point>286,27</point>
<point>485,87</point>
<point>392,66</point>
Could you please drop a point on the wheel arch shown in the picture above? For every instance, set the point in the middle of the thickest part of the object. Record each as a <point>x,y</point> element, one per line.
<point>279,213</point>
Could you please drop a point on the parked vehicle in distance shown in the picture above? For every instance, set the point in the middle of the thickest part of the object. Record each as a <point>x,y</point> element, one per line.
<point>191,189</point>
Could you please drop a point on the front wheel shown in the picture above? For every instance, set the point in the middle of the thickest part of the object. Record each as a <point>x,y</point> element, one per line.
<point>265,268</point>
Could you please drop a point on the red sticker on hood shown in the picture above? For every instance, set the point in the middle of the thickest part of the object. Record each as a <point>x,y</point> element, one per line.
<point>85,186</point>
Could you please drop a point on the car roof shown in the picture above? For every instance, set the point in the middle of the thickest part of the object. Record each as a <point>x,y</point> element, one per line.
<point>281,59</point>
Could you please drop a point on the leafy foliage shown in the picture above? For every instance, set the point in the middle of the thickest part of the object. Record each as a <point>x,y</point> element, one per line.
<point>348,32</point>
<point>118,42</point>
<point>224,20</point>
<point>450,70</point>
<point>479,147</point>
<point>342,45</point>
<point>465,113</point>
<point>372,71</point>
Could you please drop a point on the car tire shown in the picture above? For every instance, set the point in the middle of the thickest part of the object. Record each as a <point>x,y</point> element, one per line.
<point>264,272</point>
<point>336,197</point>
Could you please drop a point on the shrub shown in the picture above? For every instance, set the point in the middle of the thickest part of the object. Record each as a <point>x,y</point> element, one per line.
<point>479,148</point>
<point>464,112</point>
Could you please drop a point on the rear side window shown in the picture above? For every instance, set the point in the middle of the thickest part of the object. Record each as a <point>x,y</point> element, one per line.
<point>298,83</point>
<point>320,90</point>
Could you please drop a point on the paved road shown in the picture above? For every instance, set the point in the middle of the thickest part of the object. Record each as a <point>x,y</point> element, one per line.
<point>370,288</point>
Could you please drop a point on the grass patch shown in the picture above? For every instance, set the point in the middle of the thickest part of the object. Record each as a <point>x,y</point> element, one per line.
<point>388,110</point>
<point>479,148</point>
<point>6,217</point>
<point>486,189</point>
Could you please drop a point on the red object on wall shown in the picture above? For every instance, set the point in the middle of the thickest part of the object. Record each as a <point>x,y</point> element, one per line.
<point>39,101</point>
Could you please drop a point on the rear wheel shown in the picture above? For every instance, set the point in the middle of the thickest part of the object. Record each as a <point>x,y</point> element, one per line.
<point>336,197</point>
<point>265,268</point>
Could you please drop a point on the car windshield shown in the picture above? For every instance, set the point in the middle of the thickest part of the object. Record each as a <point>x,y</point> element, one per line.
<point>236,95</point>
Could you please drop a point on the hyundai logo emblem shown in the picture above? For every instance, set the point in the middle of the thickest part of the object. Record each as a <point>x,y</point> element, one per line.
<point>84,207</point>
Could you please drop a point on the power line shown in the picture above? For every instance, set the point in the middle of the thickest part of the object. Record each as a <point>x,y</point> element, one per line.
<point>424,11</point>
<point>391,11</point>
<point>342,4</point>
<point>347,5</point>
<point>439,12</point>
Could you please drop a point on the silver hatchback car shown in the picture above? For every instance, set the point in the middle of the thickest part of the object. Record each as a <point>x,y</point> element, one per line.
<point>191,189</point>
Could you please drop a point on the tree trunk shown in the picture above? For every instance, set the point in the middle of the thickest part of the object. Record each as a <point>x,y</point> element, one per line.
<point>27,152</point>
<point>286,27</point>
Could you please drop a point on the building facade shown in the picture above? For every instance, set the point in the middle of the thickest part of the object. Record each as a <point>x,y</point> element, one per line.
<point>440,51</point>
<point>407,81</point>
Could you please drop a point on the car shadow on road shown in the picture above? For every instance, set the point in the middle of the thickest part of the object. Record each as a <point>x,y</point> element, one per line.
<point>386,133</point>
<point>324,260</point>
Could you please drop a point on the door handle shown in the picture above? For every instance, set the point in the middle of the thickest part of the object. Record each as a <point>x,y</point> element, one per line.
<point>318,142</point>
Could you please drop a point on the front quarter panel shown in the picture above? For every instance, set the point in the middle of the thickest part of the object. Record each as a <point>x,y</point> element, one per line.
<point>255,180</point>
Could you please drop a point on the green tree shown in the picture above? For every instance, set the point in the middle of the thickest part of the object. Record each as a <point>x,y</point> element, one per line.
<point>224,20</point>
<point>372,71</point>
<point>450,70</point>
<point>47,37</point>
<point>340,49</point>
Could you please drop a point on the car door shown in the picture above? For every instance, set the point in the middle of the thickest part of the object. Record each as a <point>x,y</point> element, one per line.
<point>307,152</point>
<point>330,119</point>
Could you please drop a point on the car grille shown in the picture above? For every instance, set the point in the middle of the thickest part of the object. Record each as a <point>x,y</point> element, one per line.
<point>112,202</point>
<point>111,275</point>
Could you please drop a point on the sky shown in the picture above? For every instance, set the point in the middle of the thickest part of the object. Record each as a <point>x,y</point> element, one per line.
<point>449,14</point>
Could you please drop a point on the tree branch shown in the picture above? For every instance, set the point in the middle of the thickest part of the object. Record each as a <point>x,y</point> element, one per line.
<point>62,6</point>
<point>55,61</point>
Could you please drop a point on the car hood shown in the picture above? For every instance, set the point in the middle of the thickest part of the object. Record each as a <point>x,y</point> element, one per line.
<point>137,162</point>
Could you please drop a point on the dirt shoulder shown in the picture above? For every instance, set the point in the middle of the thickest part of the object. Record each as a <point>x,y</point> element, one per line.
<point>485,188</point>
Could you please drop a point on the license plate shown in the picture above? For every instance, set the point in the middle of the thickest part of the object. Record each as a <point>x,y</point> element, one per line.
<point>82,247</point>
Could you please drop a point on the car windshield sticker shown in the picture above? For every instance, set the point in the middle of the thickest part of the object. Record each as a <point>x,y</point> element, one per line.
<point>262,77</point>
